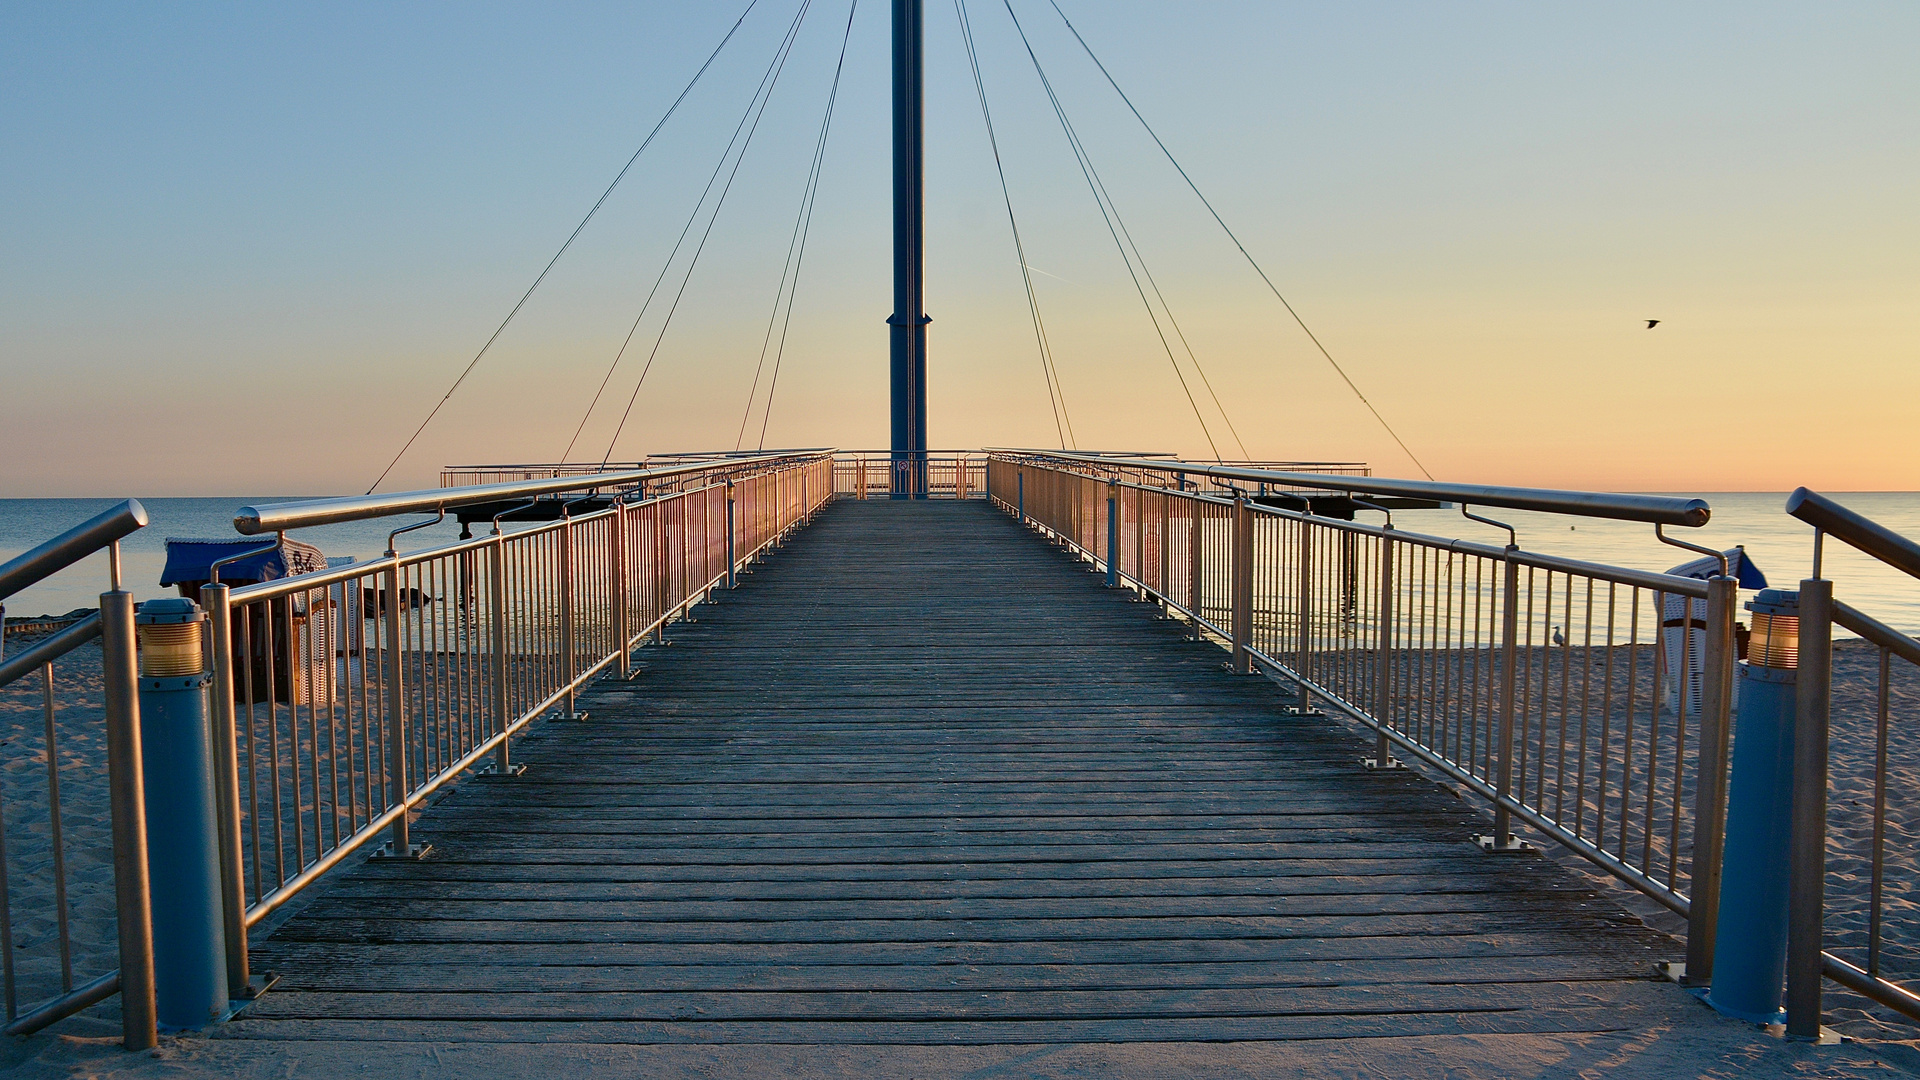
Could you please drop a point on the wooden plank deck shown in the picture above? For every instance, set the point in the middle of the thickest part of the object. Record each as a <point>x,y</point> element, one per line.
<point>922,780</point>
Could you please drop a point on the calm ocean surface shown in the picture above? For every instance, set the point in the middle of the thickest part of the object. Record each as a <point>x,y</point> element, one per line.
<point>1781,546</point>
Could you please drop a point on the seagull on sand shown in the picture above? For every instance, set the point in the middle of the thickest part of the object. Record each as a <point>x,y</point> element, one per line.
<point>1558,639</point>
<point>1651,323</point>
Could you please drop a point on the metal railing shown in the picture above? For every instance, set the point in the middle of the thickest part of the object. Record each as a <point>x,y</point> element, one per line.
<point>88,745</point>
<point>480,475</point>
<point>860,474</point>
<point>343,699</point>
<point>1543,685</point>
<point>1840,815</point>
<point>951,474</point>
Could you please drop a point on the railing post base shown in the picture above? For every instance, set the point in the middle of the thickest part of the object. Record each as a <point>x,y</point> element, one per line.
<point>1507,845</point>
<point>413,851</point>
<point>127,800</point>
<point>1241,601</point>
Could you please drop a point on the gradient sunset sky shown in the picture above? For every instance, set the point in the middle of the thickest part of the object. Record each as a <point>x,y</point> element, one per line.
<point>247,247</point>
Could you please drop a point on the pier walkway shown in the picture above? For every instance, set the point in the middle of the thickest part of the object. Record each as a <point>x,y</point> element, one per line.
<point>922,780</point>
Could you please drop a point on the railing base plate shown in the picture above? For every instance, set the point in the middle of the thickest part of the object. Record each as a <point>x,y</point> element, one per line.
<point>494,770</point>
<point>1827,1036</point>
<point>255,987</point>
<point>1511,845</point>
<point>1393,764</point>
<point>575,717</point>
<point>413,852</point>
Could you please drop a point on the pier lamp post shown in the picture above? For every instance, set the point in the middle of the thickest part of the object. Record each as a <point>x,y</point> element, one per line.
<point>1750,961</point>
<point>183,845</point>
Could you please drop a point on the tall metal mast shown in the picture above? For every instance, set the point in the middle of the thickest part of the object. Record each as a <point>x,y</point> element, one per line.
<point>908,324</point>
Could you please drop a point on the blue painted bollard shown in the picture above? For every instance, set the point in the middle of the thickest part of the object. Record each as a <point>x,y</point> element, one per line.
<point>1750,962</point>
<point>183,848</point>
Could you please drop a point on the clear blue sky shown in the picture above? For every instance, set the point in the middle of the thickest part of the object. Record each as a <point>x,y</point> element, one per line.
<point>246,247</point>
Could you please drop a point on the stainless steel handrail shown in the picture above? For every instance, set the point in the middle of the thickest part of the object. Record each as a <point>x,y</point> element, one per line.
<point>1876,632</point>
<point>1624,575</point>
<point>280,517</point>
<point>1656,509</point>
<point>20,665</point>
<point>71,546</point>
<point>1856,529</point>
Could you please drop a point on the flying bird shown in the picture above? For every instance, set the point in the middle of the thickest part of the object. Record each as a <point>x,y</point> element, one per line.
<point>1651,323</point>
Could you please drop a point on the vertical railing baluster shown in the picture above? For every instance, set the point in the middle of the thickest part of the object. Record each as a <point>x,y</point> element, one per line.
<point>1303,659</point>
<point>1242,610</point>
<point>57,841</point>
<point>1196,532</point>
<point>619,627</point>
<point>127,799</point>
<point>399,760</point>
<point>1710,783</point>
<point>1807,860</point>
<point>217,599</point>
<point>1383,659</point>
<point>1113,534</point>
<point>569,662</point>
<point>1877,885</point>
<point>1503,838</point>
<point>500,685</point>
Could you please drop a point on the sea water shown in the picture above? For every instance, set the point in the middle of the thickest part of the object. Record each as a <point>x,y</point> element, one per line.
<point>1781,546</point>
<point>27,522</point>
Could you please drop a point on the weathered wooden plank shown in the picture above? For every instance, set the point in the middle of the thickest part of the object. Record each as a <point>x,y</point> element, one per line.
<point>332,960</point>
<point>1086,927</point>
<point>555,1003</point>
<point>582,890</point>
<point>764,979</point>
<point>1612,1015</point>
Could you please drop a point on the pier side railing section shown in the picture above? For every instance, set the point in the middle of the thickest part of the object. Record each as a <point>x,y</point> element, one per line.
<point>97,923</point>
<point>1869,943</point>
<point>343,699</point>
<point>1543,685</point>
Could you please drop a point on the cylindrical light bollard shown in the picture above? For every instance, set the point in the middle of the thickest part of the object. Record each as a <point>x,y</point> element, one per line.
<point>183,837</point>
<point>1113,535</point>
<point>1750,936</point>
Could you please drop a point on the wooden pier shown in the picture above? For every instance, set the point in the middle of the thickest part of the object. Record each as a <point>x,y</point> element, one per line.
<point>921,779</point>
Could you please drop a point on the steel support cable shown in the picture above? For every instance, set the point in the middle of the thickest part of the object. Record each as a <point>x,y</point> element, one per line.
<point>648,141</point>
<point>692,217</point>
<point>1086,171</point>
<point>797,243</point>
<point>806,230</point>
<point>1311,336</point>
<point>1152,283</point>
<point>1048,369</point>
<point>1127,234</point>
<point>694,263</point>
